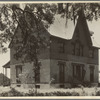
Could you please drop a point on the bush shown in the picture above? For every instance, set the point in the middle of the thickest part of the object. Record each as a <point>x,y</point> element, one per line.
<point>97,93</point>
<point>14,92</point>
<point>57,93</point>
<point>5,94</point>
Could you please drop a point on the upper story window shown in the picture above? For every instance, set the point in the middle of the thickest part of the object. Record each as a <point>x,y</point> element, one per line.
<point>77,49</point>
<point>61,47</point>
<point>91,52</point>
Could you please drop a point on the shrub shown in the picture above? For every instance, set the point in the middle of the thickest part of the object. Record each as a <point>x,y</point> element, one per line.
<point>57,93</point>
<point>97,93</point>
<point>4,94</point>
<point>12,92</point>
<point>74,94</point>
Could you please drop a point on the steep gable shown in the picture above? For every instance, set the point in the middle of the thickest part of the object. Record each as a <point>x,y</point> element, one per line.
<point>81,29</point>
<point>82,32</point>
<point>16,36</point>
<point>43,33</point>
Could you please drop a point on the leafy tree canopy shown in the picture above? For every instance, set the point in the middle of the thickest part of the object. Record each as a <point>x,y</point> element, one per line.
<point>30,17</point>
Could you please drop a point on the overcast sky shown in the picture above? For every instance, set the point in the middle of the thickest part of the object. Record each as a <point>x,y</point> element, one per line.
<point>59,29</point>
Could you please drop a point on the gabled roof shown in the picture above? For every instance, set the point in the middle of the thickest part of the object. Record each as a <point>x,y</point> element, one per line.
<point>66,31</point>
<point>82,22</point>
<point>94,43</point>
<point>7,65</point>
<point>13,37</point>
<point>59,29</point>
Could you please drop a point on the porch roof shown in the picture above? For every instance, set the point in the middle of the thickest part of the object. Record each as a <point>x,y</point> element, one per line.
<point>7,65</point>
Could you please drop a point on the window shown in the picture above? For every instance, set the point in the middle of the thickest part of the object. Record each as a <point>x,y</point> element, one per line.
<point>78,71</point>
<point>91,73</point>
<point>73,49</point>
<point>18,72</point>
<point>77,49</point>
<point>91,52</point>
<point>81,50</point>
<point>37,76</point>
<point>61,47</point>
<point>61,72</point>
<point>37,73</point>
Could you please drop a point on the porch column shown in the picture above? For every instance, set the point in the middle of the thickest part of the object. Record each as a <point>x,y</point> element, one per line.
<point>3,76</point>
<point>6,72</point>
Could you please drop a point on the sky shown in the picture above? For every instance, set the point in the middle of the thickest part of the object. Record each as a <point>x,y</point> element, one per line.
<point>59,29</point>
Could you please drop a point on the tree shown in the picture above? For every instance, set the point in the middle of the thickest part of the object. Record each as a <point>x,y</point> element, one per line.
<point>33,18</point>
<point>12,14</point>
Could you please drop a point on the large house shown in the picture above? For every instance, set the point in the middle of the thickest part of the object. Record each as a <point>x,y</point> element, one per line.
<point>64,63</point>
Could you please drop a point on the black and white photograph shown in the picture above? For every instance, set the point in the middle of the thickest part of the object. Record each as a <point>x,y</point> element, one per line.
<point>49,49</point>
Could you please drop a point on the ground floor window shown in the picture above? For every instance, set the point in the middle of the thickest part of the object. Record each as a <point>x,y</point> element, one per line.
<point>91,73</point>
<point>78,71</point>
<point>37,75</point>
<point>18,72</point>
<point>61,72</point>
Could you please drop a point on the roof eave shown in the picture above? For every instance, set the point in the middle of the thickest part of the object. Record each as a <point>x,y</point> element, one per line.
<point>7,65</point>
